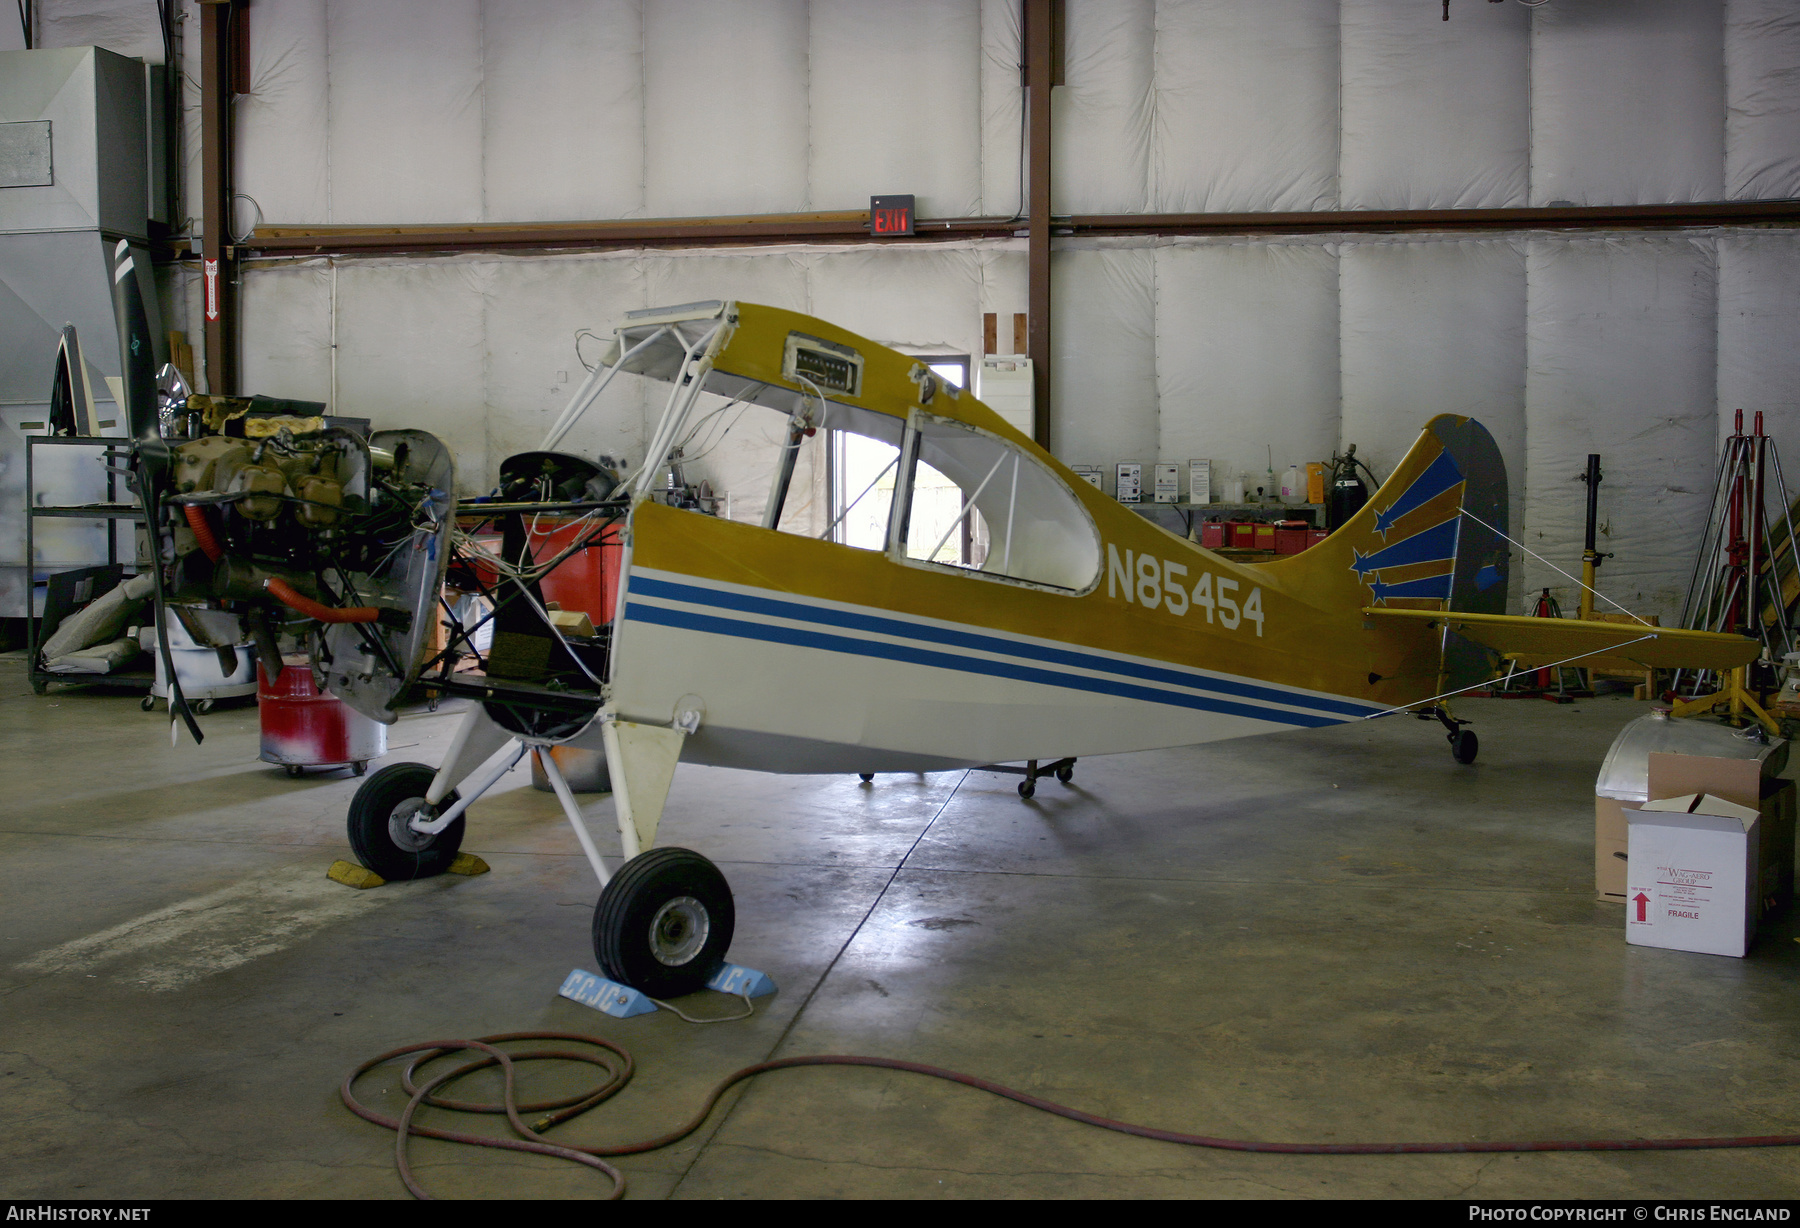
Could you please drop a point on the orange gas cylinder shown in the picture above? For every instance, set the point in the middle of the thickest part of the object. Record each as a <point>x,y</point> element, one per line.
<point>302,728</point>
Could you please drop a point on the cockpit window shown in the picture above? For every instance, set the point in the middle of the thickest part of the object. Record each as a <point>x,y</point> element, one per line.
<point>974,501</point>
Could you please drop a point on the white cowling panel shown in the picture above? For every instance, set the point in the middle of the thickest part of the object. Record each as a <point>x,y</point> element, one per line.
<point>563,110</point>
<point>1246,106</point>
<point>1246,353</point>
<point>282,153</point>
<point>1434,327</point>
<point>1627,102</point>
<point>1762,88</point>
<point>725,105</point>
<point>1103,386</point>
<point>405,111</point>
<point>1759,321</point>
<point>1002,111</point>
<point>1434,112</point>
<point>895,104</point>
<point>1103,113</point>
<point>1621,345</point>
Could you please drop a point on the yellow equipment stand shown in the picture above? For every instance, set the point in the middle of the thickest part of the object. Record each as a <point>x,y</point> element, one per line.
<point>1734,692</point>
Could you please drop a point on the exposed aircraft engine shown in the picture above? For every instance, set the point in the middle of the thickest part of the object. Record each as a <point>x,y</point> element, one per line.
<point>293,531</point>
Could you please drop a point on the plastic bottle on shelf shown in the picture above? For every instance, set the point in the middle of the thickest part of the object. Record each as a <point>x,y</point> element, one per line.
<point>1293,486</point>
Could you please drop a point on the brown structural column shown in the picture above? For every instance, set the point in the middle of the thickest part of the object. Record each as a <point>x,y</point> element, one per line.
<point>219,263</point>
<point>1040,34</point>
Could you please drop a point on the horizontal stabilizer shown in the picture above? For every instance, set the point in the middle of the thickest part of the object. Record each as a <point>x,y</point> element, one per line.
<point>1535,642</point>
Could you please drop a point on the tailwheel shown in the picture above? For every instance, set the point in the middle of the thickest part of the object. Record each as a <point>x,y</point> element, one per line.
<point>1464,745</point>
<point>664,922</point>
<point>379,831</point>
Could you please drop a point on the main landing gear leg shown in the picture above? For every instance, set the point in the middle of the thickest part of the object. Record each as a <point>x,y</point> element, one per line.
<point>664,922</point>
<point>1464,745</point>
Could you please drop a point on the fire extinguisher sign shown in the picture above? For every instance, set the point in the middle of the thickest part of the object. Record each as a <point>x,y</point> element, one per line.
<point>212,289</point>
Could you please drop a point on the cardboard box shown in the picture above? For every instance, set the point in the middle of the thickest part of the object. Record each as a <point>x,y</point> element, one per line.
<point>1736,780</point>
<point>1692,882</point>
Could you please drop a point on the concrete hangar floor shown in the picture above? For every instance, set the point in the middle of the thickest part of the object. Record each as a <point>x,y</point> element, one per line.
<point>1338,936</point>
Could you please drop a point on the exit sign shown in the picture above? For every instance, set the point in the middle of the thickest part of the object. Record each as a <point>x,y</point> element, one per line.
<point>890,216</point>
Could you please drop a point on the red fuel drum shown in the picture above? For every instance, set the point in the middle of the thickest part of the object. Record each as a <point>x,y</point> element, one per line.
<point>302,728</point>
<point>587,580</point>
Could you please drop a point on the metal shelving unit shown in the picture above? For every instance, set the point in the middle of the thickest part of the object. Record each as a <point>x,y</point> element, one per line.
<point>110,573</point>
<point>1187,512</point>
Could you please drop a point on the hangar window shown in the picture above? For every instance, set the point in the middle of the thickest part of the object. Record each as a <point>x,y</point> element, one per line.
<point>973,501</point>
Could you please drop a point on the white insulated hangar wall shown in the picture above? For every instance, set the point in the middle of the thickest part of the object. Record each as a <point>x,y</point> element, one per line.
<point>1636,345</point>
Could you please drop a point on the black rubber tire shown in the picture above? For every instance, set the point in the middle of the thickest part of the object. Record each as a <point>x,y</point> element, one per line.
<point>1464,745</point>
<point>1027,788</point>
<point>148,703</point>
<point>634,902</point>
<point>1065,774</point>
<point>868,778</point>
<point>369,827</point>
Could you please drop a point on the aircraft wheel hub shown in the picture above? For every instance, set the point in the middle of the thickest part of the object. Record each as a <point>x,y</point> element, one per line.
<point>678,931</point>
<point>400,826</point>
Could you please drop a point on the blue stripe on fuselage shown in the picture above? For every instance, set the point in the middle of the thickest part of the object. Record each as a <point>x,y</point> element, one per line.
<point>646,586</point>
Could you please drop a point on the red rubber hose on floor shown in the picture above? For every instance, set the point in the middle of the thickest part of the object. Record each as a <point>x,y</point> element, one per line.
<point>293,599</point>
<point>202,527</point>
<point>619,1073</point>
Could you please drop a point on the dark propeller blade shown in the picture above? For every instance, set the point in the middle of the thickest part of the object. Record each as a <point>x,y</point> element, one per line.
<point>149,451</point>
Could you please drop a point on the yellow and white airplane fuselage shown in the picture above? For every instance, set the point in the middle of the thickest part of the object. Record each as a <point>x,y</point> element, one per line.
<point>809,655</point>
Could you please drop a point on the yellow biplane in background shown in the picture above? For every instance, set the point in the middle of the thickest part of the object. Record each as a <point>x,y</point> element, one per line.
<point>1036,621</point>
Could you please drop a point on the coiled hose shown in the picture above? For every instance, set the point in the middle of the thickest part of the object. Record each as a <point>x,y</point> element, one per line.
<point>618,1066</point>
